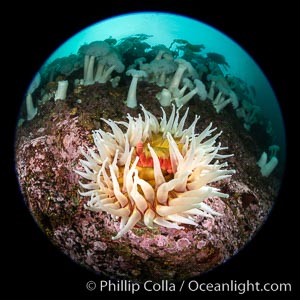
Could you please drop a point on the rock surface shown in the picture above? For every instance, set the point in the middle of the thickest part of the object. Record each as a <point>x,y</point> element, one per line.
<point>47,152</point>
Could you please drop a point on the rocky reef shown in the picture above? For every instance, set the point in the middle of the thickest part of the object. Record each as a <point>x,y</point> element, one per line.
<point>47,152</point>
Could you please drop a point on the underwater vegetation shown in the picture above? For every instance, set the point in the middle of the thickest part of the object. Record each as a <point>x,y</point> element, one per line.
<point>121,173</point>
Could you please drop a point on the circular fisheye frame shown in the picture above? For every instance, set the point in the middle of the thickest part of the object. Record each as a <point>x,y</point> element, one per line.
<point>150,146</point>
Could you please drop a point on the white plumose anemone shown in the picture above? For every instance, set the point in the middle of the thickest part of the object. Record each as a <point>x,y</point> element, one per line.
<point>153,173</point>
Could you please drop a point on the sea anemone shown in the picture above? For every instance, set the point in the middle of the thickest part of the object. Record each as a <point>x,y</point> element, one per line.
<point>131,96</point>
<point>61,92</point>
<point>164,97</point>
<point>90,52</point>
<point>31,110</point>
<point>266,168</point>
<point>153,173</point>
<point>183,66</point>
<point>199,89</point>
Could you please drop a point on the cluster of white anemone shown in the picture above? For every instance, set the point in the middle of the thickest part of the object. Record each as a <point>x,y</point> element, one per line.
<point>115,187</point>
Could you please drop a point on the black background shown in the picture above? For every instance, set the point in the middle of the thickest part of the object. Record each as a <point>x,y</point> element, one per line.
<point>31,264</point>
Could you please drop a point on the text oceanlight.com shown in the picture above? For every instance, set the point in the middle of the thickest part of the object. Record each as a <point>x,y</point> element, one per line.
<point>193,286</point>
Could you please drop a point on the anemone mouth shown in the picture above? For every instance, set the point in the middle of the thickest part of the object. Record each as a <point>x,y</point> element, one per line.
<point>153,173</point>
<point>160,146</point>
